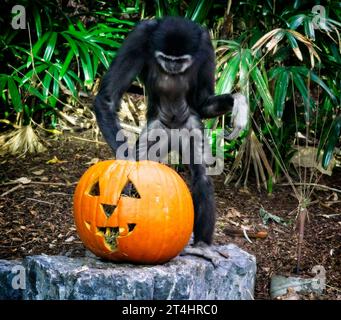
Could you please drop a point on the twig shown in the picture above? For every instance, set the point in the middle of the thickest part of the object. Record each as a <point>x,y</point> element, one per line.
<point>237,232</point>
<point>60,193</point>
<point>11,190</point>
<point>131,128</point>
<point>17,245</point>
<point>245,235</point>
<point>87,140</point>
<point>41,201</point>
<point>330,215</point>
<point>334,288</point>
<point>321,186</point>
<point>39,182</point>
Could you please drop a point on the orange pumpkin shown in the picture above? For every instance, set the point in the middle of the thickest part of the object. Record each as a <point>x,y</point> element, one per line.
<point>133,211</point>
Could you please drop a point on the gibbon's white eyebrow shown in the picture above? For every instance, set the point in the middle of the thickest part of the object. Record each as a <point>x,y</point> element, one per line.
<point>161,54</point>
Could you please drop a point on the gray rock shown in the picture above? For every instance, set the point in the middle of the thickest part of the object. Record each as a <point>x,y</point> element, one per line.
<point>280,284</point>
<point>11,287</point>
<point>185,277</point>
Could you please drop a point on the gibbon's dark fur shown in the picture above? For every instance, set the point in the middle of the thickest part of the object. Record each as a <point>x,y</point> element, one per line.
<point>175,60</point>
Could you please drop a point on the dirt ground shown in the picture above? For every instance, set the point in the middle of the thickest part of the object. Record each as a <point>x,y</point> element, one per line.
<point>36,217</point>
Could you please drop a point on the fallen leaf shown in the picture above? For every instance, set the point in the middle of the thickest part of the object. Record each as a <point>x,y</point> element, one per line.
<point>232,213</point>
<point>70,239</point>
<point>92,161</point>
<point>24,180</point>
<point>244,190</point>
<point>37,192</point>
<point>38,172</point>
<point>266,216</point>
<point>55,160</point>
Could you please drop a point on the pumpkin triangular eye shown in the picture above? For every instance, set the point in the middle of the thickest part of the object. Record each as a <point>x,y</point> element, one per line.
<point>94,191</point>
<point>130,191</point>
<point>108,209</point>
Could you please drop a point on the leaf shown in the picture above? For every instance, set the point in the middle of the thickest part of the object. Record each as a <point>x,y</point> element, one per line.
<point>92,161</point>
<point>34,91</point>
<point>275,72</point>
<point>33,72</point>
<point>267,216</point>
<point>198,10</point>
<point>66,63</point>
<point>332,141</point>
<point>38,172</point>
<point>37,21</point>
<point>86,65</point>
<point>263,91</point>
<point>309,29</point>
<point>244,67</point>
<point>50,46</point>
<point>55,160</point>
<point>71,43</point>
<point>228,76</point>
<point>264,39</point>
<point>275,40</point>
<point>55,88</point>
<point>302,88</point>
<point>294,46</point>
<point>70,84</point>
<point>323,85</point>
<point>281,88</point>
<point>37,46</point>
<point>15,96</point>
<point>3,83</point>
<point>100,55</point>
<point>23,180</point>
<point>120,21</point>
<point>70,239</point>
<point>46,84</point>
<point>296,21</point>
<point>54,131</point>
<point>108,42</point>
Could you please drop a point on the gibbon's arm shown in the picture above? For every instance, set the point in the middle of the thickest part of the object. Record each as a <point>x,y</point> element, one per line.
<point>128,63</point>
<point>210,105</point>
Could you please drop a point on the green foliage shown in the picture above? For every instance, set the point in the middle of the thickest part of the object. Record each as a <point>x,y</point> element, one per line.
<point>287,61</point>
<point>56,57</point>
<point>284,59</point>
<point>194,9</point>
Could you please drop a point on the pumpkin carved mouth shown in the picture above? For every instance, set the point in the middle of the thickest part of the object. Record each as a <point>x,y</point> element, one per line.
<point>111,234</point>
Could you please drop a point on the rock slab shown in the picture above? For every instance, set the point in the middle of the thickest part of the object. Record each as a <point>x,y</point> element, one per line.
<point>88,278</point>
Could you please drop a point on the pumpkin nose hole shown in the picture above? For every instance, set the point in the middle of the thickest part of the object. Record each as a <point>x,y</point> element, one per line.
<point>131,226</point>
<point>108,209</point>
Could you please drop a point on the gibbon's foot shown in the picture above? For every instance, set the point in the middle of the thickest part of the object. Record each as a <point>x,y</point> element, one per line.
<point>203,250</point>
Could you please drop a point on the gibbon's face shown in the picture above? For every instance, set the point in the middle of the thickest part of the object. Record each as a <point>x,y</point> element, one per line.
<point>173,64</point>
<point>175,44</point>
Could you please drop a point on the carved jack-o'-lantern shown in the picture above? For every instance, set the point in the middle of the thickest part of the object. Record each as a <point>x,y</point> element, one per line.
<point>133,211</point>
